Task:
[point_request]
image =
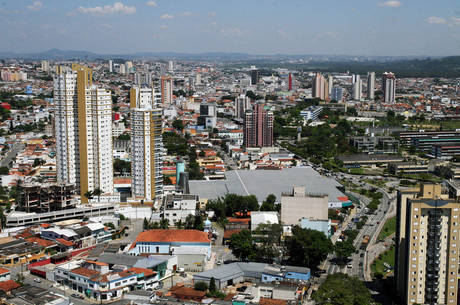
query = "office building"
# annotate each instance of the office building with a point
(83, 125)
(110, 65)
(337, 93)
(129, 66)
(258, 127)
(389, 87)
(208, 115)
(198, 79)
(427, 255)
(166, 90)
(242, 103)
(371, 86)
(320, 87)
(146, 145)
(311, 113)
(255, 77)
(330, 82)
(357, 88)
(122, 69)
(170, 66)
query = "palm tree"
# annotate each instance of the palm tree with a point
(89, 195)
(97, 192)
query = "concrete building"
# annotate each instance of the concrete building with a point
(427, 256)
(242, 103)
(208, 115)
(311, 113)
(146, 145)
(298, 205)
(38, 198)
(166, 90)
(110, 66)
(337, 93)
(318, 225)
(263, 217)
(255, 77)
(370, 86)
(357, 88)
(320, 87)
(176, 207)
(258, 127)
(83, 125)
(389, 87)
(45, 65)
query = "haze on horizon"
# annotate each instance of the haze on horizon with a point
(354, 27)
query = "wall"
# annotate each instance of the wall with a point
(295, 208)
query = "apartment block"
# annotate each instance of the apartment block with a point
(258, 127)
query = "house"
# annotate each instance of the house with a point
(176, 207)
(187, 294)
(5, 274)
(166, 241)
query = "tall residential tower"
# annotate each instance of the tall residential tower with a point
(370, 86)
(258, 127)
(389, 87)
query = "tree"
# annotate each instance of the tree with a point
(341, 289)
(242, 245)
(164, 223)
(189, 221)
(38, 162)
(97, 192)
(4, 170)
(344, 249)
(178, 124)
(124, 137)
(212, 285)
(269, 203)
(121, 166)
(146, 224)
(89, 195)
(307, 247)
(268, 243)
(201, 286)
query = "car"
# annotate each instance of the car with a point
(77, 296)
(349, 266)
(37, 280)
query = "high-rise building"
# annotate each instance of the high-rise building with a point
(208, 115)
(83, 124)
(389, 87)
(242, 103)
(170, 66)
(122, 69)
(166, 90)
(254, 76)
(427, 246)
(370, 86)
(110, 65)
(320, 87)
(290, 81)
(45, 65)
(129, 66)
(258, 127)
(337, 93)
(330, 80)
(357, 88)
(198, 79)
(146, 145)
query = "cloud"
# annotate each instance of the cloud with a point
(35, 6)
(328, 35)
(167, 16)
(151, 3)
(185, 14)
(117, 7)
(232, 32)
(455, 20)
(390, 3)
(281, 33)
(435, 20)
(212, 14)
(163, 27)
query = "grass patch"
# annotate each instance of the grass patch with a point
(388, 229)
(378, 268)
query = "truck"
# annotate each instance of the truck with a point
(364, 242)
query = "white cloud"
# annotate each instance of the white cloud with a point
(455, 20)
(435, 20)
(167, 16)
(151, 3)
(212, 14)
(232, 32)
(186, 14)
(163, 27)
(35, 6)
(390, 3)
(281, 33)
(117, 7)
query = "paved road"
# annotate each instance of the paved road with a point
(12, 153)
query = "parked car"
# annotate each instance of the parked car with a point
(77, 296)
(37, 280)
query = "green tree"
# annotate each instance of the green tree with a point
(242, 245)
(344, 249)
(124, 137)
(201, 286)
(164, 223)
(307, 247)
(4, 170)
(269, 203)
(38, 162)
(122, 166)
(178, 124)
(146, 224)
(269, 247)
(212, 285)
(341, 289)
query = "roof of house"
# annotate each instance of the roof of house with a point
(85, 272)
(146, 272)
(228, 233)
(173, 236)
(3, 270)
(9, 285)
(265, 301)
(40, 241)
(64, 242)
(188, 292)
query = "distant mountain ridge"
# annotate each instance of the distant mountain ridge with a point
(207, 56)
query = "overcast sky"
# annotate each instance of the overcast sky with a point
(348, 27)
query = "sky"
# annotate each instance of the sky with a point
(335, 27)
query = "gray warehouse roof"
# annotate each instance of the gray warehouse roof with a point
(262, 183)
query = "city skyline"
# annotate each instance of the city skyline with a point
(379, 28)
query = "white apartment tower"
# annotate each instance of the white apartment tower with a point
(146, 145)
(371, 86)
(83, 124)
(242, 103)
(389, 87)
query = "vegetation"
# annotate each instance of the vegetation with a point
(122, 166)
(269, 204)
(378, 267)
(341, 289)
(4, 170)
(388, 229)
(124, 137)
(201, 286)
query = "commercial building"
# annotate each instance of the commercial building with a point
(311, 113)
(337, 93)
(176, 207)
(255, 77)
(166, 90)
(427, 256)
(359, 160)
(258, 127)
(373, 144)
(242, 103)
(445, 151)
(320, 87)
(409, 137)
(370, 86)
(389, 87)
(83, 125)
(407, 168)
(208, 115)
(146, 145)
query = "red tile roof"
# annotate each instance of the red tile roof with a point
(233, 219)
(173, 236)
(184, 292)
(65, 242)
(85, 272)
(265, 301)
(3, 270)
(40, 241)
(146, 272)
(9, 285)
(228, 233)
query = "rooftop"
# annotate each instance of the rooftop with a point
(173, 236)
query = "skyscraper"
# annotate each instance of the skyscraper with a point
(146, 145)
(427, 241)
(242, 103)
(320, 87)
(330, 80)
(389, 87)
(258, 127)
(170, 66)
(357, 88)
(254, 76)
(337, 93)
(45, 65)
(290, 81)
(166, 90)
(83, 124)
(370, 86)
(110, 65)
